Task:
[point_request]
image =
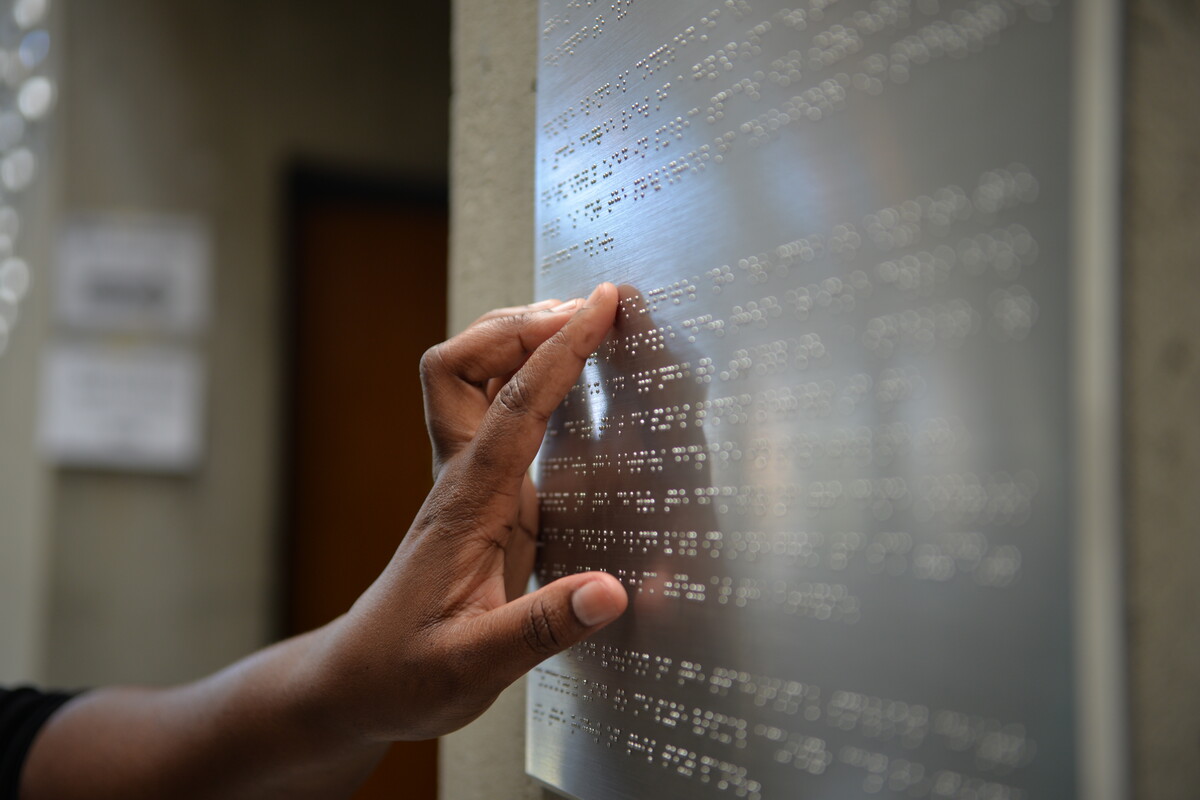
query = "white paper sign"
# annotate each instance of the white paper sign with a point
(143, 273)
(125, 407)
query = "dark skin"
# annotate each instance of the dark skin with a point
(425, 650)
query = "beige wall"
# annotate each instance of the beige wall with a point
(193, 106)
(24, 546)
(495, 68)
(491, 264)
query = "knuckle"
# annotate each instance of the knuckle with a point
(560, 338)
(432, 363)
(517, 398)
(513, 326)
(563, 340)
(514, 395)
(484, 317)
(541, 630)
(580, 347)
(496, 313)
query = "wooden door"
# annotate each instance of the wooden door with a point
(367, 271)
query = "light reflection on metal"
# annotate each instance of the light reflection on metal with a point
(827, 449)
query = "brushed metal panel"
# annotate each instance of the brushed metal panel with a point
(828, 447)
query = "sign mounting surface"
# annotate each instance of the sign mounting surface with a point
(828, 447)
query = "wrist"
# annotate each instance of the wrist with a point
(317, 693)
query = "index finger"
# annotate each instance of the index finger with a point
(515, 423)
(455, 374)
(495, 344)
(508, 311)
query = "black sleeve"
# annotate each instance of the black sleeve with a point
(23, 712)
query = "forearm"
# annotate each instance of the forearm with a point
(423, 652)
(260, 728)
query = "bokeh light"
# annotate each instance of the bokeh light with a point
(27, 96)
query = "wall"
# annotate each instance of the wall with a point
(24, 546)
(194, 106)
(495, 68)
(494, 51)
(1162, 393)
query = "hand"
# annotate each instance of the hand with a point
(442, 631)
(424, 651)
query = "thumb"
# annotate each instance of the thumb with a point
(519, 635)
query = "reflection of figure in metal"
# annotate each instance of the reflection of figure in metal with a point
(628, 454)
(424, 651)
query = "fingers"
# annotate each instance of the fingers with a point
(496, 344)
(541, 305)
(512, 430)
(455, 374)
(521, 634)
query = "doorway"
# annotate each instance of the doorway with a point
(367, 275)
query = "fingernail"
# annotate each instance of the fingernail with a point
(542, 304)
(594, 604)
(570, 305)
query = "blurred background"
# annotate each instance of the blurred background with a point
(178, 487)
(298, 151)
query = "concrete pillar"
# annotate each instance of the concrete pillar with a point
(494, 69)
(24, 477)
